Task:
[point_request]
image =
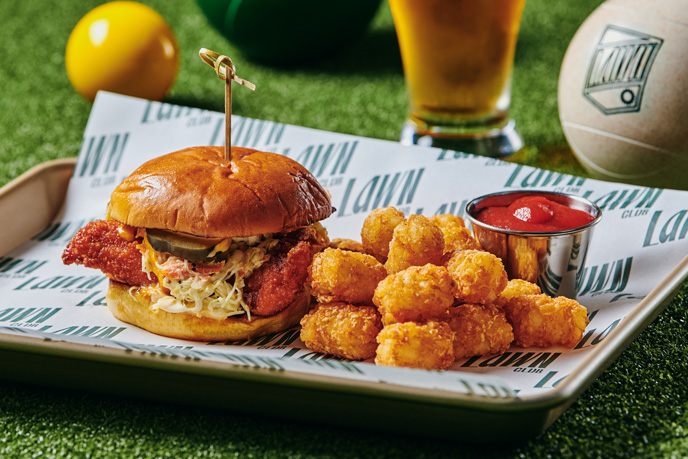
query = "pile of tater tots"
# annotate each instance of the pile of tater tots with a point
(420, 292)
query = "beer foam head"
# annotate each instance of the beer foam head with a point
(623, 92)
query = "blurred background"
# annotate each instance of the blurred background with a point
(354, 84)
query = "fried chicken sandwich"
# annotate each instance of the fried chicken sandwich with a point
(203, 248)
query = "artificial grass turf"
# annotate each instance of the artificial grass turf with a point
(636, 408)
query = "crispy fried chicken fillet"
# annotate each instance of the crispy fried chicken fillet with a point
(281, 279)
(111, 247)
(114, 249)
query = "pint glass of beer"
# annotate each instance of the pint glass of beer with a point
(457, 57)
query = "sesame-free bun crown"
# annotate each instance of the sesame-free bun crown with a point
(197, 191)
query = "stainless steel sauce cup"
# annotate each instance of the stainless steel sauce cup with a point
(554, 260)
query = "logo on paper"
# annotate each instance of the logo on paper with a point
(619, 68)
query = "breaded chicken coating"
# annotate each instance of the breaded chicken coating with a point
(541, 321)
(410, 344)
(416, 294)
(514, 288)
(347, 244)
(377, 231)
(342, 275)
(416, 242)
(341, 329)
(479, 330)
(479, 276)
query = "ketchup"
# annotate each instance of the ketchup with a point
(534, 214)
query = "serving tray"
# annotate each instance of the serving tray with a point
(484, 410)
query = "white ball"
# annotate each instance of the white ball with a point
(623, 92)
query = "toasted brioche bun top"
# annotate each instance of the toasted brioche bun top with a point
(197, 191)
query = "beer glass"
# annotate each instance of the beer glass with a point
(457, 57)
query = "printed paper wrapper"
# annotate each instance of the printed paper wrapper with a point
(640, 239)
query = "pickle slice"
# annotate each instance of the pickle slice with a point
(192, 248)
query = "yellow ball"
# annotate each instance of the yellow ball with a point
(122, 47)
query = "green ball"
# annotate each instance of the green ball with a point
(284, 31)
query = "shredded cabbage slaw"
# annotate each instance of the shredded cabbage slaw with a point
(217, 294)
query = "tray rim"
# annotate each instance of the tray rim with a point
(551, 403)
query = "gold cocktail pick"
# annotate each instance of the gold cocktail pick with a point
(226, 71)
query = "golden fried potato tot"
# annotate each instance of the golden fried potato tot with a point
(410, 344)
(541, 321)
(479, 330)
(479, 276)
(514, 288)
(377, 231)
(458, 238)
(347, 244)
(443, 220)
(415, 242)
(342, 275)
(341, 329)
(416, 294)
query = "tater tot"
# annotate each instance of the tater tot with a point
(410, 344)
(458, 238)
(416, 294)
(514, 288)
(541, 321)
(377, 231)
(479, 276)
(341, 329)
(443, 220)
(479, 330)
(416, 242)
(342, 275)
(347, 244)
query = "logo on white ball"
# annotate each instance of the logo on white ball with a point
(619, 68)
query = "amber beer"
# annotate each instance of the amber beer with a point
(457, 57)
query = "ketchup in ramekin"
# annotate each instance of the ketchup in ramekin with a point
(534, 213)
(541, 236)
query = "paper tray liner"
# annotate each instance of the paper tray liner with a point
(278, 393)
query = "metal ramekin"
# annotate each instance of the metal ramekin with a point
(554, 260)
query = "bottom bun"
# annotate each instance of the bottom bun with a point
(136, 310)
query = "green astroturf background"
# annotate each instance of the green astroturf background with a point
(637, 408)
